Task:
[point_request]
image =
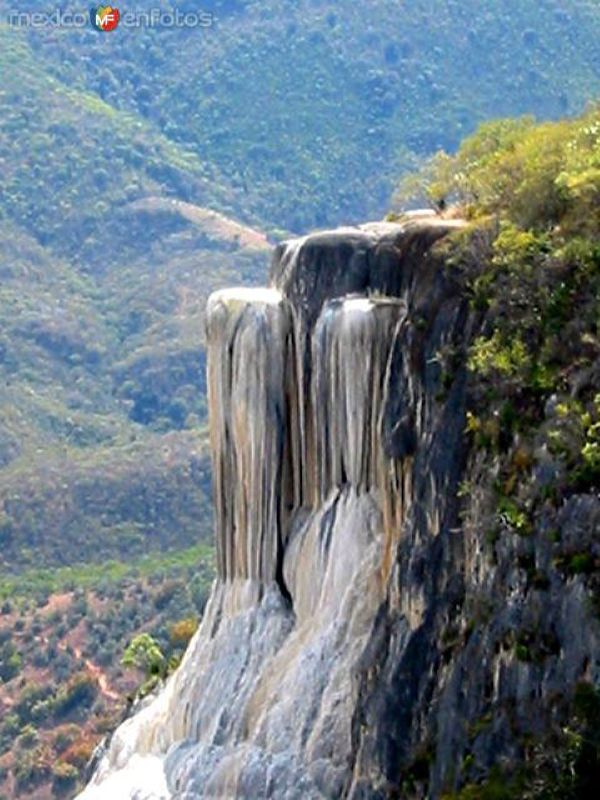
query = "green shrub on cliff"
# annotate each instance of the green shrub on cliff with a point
(144, 653)
(532, 176)
(530, 262)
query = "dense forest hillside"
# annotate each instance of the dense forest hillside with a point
(294, 114)
(102, 392)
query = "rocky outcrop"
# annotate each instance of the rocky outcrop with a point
(340, 654)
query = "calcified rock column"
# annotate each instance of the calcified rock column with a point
(248, 342)
(351, 346)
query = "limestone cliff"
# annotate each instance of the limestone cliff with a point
(342, 652)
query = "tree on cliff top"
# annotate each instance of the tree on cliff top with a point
(534, 176)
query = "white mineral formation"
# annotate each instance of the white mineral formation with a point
(307, 504)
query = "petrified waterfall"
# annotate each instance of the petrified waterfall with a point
(248, 343)
(318, 406)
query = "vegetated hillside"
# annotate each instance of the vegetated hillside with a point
(102, 449)
(294, 114)
(524, 623)
(104, 276)
(63, 683)
(104, 478)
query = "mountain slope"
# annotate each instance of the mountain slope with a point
(302, 114)
(91, 370)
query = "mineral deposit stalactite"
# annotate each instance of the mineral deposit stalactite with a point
(248, 343)
(351, 347)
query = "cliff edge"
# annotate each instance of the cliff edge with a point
(369, 634)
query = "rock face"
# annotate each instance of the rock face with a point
(323, 667)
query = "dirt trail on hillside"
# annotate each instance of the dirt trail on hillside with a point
(99, 675)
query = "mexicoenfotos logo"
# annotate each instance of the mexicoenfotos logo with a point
(108, 18)
(105, 18)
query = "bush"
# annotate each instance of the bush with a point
(31, 696)
(489, 355)
(30, 770)
(80, 752)
(77, 696)
(181, 632)
(64, 737)
(28, 737)
(8, 731)
(64, 778)
(144, 653)
(10, 662)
